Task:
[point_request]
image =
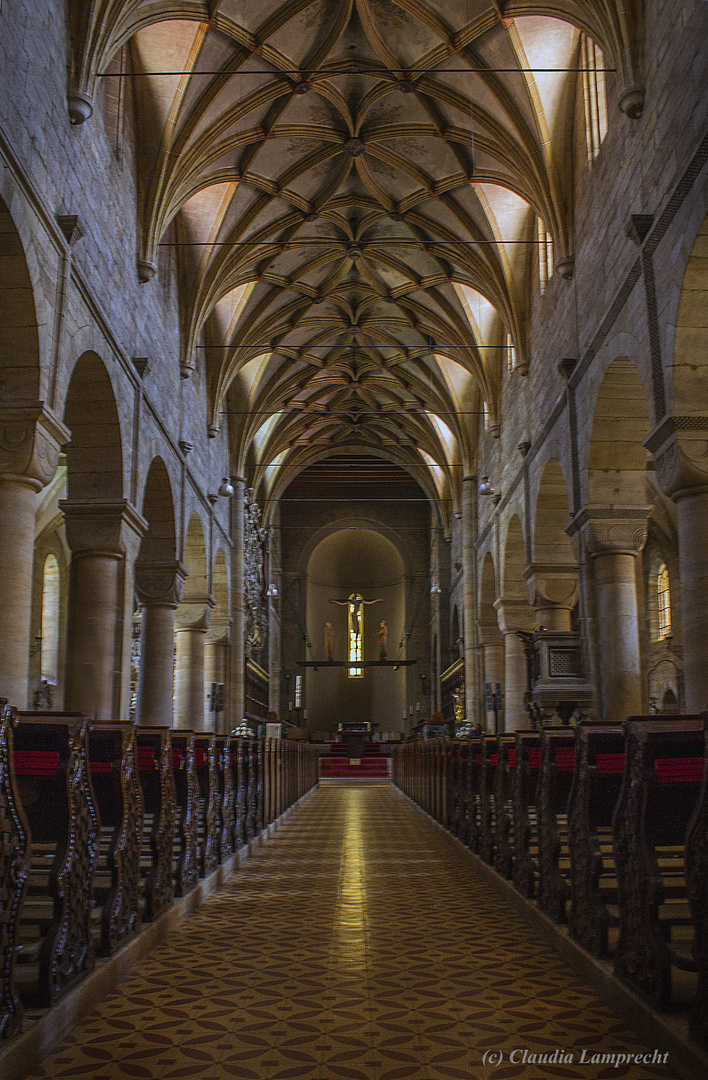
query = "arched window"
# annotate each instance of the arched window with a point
(545, 255)
(356, 634)
(51, 611)
(593, 64)
(663, 603)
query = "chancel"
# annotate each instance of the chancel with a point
(353, 539)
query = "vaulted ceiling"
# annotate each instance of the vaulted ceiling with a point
(353, 187)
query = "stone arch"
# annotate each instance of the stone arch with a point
(192, 625)
(159, 545)
(488, 623)
(617, 461)
(158, 583)
(552, 576)
(456, 650)
(515, 614)
(19, 332)
(689, 363)
(195, 559)
(95, 453)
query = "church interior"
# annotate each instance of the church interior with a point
(354, 539)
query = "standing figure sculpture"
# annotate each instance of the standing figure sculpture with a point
(383, 641)
(329, 642)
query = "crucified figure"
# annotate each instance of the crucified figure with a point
(356, 606)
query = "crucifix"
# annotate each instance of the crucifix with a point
(355, 605)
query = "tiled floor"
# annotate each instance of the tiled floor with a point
(354, 945)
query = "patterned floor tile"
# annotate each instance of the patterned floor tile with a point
(354, 946)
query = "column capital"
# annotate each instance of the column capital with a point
(194, 613)
(113, 528)
(159, 584)
(611, 529)
(680, 448)
(31, 438)
(513, 614)
(552, 584)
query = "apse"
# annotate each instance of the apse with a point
(355, 562)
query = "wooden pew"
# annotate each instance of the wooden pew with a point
(227, 796)
(185, 863)
(662, 781)
(488, 764)
(115, 777)
(597, 781)
(55, 939)
(260, 793)
(15, 844)
(554, 784)
(472, 780)
(240, 775)
(208, 803)
(455, 791)
(527, 764)
(251, 760)
(503, 822)
(160, 800)
(697, 889)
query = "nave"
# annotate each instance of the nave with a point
(357, 943)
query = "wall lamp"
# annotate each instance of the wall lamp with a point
(485, 488)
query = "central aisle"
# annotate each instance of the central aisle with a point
(355, 944)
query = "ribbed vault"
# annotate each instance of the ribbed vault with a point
(353, 188)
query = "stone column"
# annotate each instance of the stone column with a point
(469, 570)
(192, 623)
(216, 662)
(493, 668)
(158, 588)
(237, 688)
(553, 593)
(679, 445)
(30, 440)
(104, 539)
(514, 615)
(614, 537)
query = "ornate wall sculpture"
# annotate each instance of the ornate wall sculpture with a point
(254, 554)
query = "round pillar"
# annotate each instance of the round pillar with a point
(17, 513)
(515, 682)
(94, 617)
(157, 664)
(237, 688)
(216, 656)
(190, 695)
(469, 555)
(618, 633)
(493, 660)
(693, 568)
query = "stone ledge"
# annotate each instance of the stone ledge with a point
(665, 1032)
(44, 1030)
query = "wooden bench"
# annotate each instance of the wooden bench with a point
(208, 803)
(15, 844)
(503, 787)
(239, 775)
(55, 940)
(456, 775)
(597, 781)
(662, 780)
(697, 889)
(251, 760)
(472, 779)
(227, 796)
(554, 784)
(527, 764)
(185, 862)
(115, 777)
(490, 756)
(160, 800)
